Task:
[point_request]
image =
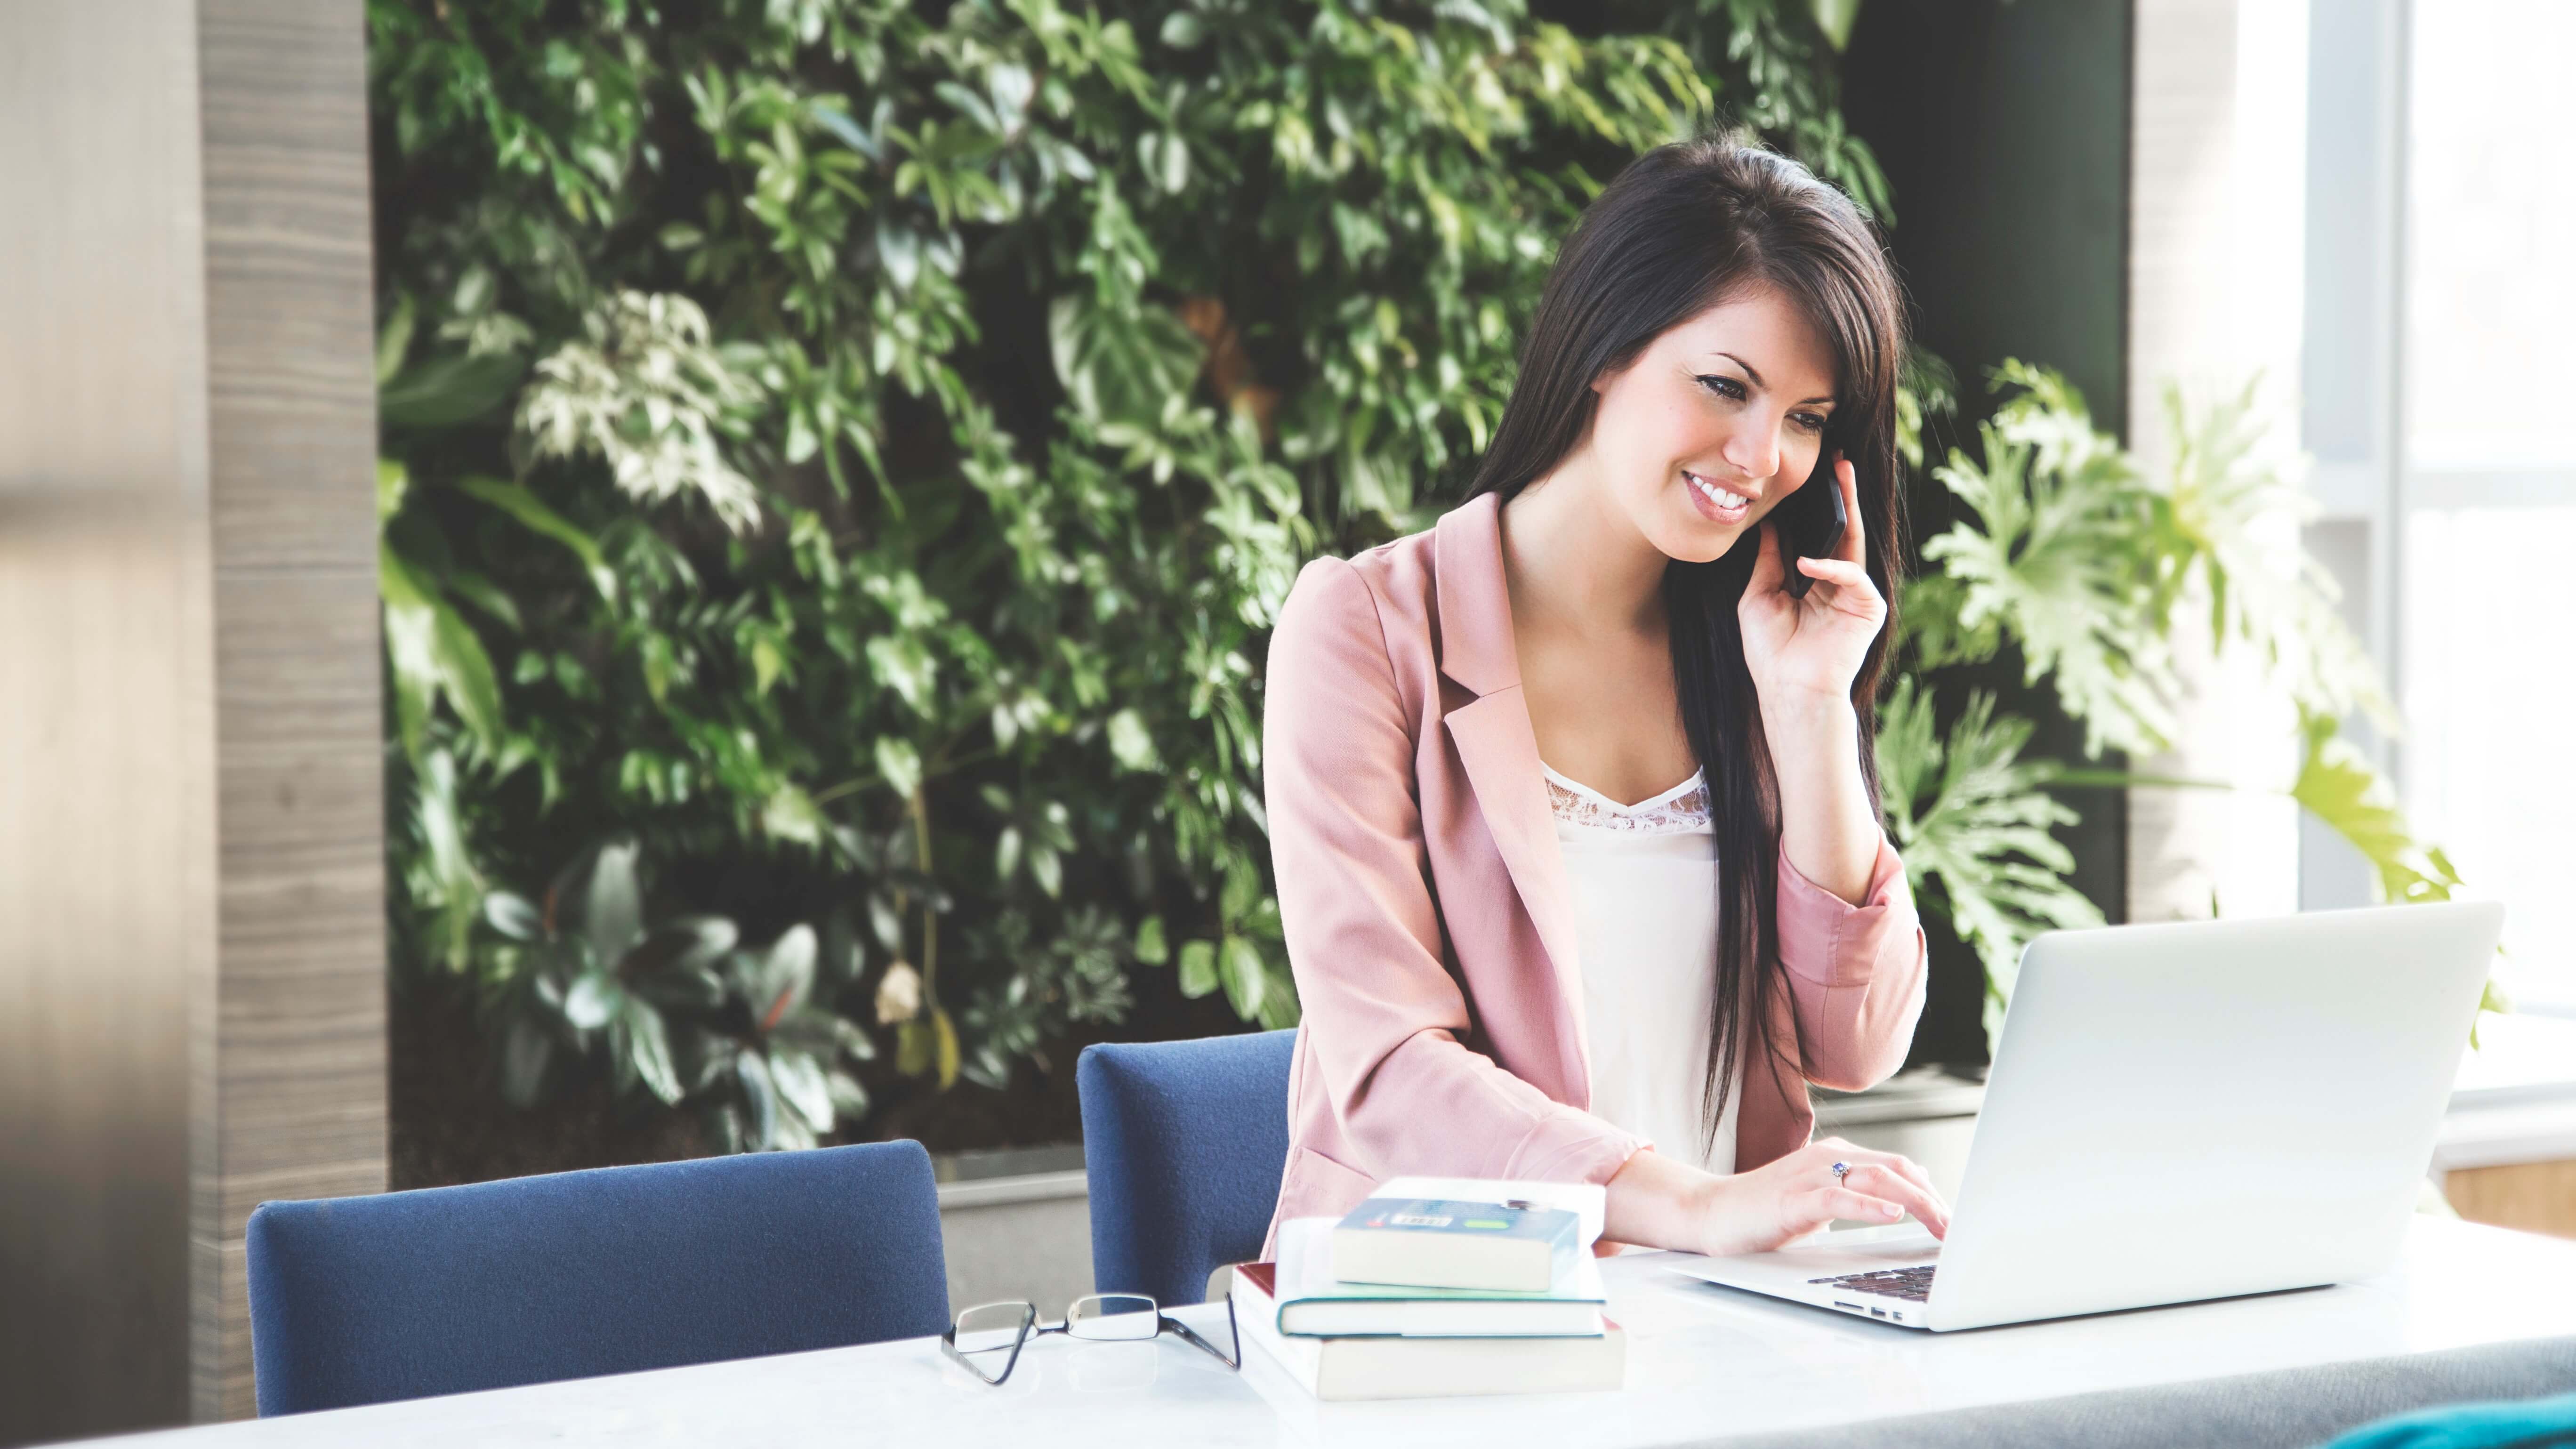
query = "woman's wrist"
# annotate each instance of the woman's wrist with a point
(1656, 1201)
(1798, 721)
(1829, 824)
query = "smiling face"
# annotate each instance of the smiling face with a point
(1718, 420)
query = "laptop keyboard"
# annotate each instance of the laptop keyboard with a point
(1912, 1284)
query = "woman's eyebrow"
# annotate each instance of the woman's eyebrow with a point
(1749, 369)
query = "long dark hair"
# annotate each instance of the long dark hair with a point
(1683, 228)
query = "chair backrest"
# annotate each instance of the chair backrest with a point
(1184, 1142)
(445, 1290)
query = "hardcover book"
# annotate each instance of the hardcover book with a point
(1314, 1301)
(1439, 1242)
(1337, 1369)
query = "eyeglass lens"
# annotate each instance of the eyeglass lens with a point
(1113, 1316)
(992, 1327)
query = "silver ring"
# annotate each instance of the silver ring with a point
(1840, 1170)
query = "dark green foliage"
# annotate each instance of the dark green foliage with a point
(844, 458)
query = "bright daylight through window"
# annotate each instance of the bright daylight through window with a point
(2490, 462)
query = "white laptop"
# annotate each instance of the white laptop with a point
(2180, 1112)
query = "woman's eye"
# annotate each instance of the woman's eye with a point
(1723, 386)
(1810, 422)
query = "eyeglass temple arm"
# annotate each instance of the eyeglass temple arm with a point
(1233, 1360)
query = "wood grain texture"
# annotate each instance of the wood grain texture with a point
(2537, 1197)
(297, 1086)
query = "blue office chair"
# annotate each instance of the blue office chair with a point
(359, 1300)
(1185, 1142)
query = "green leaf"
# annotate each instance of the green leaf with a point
(612, 904)
(1245, 978)
(453, 388)
(2337, 785)
(849, 1099)
(944, 1039)
(514, 916)
(1198, 968)
(1834, 18)
(485, 595)
(1121, 367)
(433, 653)
(759, 1099)
(650, 1046)
(682, 988)
(1973, 821)
(2060, 548)
(916, 1047)
(686, 943)
(393, 339)
(802, 1086)
(1242, 889)
(1150, 946)
(791, 814)
(393, 485)
(899, 763)
(786, 975)
(1130, 743)
(1182, 30)
(594, 1001)
(523, 505)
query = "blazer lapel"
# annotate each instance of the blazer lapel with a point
(1499, 750)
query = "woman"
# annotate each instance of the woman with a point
(1505, 970)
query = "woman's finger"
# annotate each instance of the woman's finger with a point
(1766, 563)
(1840, 572)
(1883, 1183)
(1830, 1203)
(1848, 481)
(1913, 1172)
(1836, 1149)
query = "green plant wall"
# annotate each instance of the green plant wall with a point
(843, 459)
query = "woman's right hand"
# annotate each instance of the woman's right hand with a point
(1754, 1212)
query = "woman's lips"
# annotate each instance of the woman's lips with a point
(1717, 505)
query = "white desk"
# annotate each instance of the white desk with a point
(1705, 1365)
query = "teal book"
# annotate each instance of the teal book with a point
(1420, 1242)
(1313, 1302)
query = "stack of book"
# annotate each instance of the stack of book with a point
(1438, 1287)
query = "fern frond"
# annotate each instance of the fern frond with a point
(1973, 820)
(2061, 556)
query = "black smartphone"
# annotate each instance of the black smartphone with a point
(1811, 522)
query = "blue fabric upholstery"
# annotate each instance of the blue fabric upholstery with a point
(359, 1300)
(1185, 1142)
(2520, 1423)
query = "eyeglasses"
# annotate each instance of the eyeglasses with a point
(990, 1333)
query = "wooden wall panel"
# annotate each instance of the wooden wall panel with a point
(298, 1075)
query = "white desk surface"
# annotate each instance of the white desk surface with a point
(1704, 1363)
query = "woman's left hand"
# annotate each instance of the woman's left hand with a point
(1811, 647)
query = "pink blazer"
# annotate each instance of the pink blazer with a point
(1428, 920)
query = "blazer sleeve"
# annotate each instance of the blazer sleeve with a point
(1383, 1016)
(1855, 972)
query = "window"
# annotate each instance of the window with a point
(2441, 382)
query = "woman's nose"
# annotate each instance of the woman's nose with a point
(1755, 450)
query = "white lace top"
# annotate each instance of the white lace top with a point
(1644, 879)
